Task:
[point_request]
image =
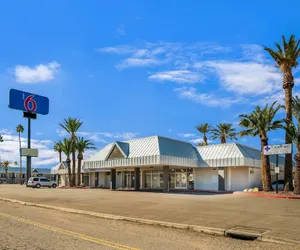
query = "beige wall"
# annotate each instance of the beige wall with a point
(239, 178)
(255, 179)
(92, 179)
(206, 179)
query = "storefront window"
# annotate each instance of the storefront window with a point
(154, 179)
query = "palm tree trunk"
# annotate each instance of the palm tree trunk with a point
(6, 173)
(288, 84)
(69, 171)
(79, 170)
(265, 168)
(205, 139)
(21, 179)
(297, 173)
(73, 168)
(59, 156)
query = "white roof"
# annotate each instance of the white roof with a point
(159, 150)
(150, 146)
(232, 154)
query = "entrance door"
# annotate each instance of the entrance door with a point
(181, 180)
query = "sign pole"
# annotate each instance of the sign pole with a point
(277, 156)
(28, 169)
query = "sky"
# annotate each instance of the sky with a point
(131, 69)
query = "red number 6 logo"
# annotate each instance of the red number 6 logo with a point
(32, 106)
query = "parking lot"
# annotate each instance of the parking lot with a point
(279, 216)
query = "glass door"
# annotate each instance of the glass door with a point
(181, 180)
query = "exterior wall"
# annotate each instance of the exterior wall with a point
(255, 179)
(101, 181)
(239, 178)
(119, 179)
(206, 179)
(92, 179)
(107, 180)
(63, 180)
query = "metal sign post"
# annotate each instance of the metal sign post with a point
(277, 150)
(31, 104)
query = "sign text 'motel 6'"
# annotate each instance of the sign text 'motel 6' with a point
(28, 102)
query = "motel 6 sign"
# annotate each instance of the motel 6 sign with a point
(28, 102)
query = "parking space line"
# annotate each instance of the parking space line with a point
(69, 233)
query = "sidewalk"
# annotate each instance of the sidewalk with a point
(279, 216)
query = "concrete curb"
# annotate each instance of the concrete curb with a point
(194, 228)
(274, 196)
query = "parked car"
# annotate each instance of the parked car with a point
(280, 185)
(37, 182)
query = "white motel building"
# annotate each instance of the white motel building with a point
(165, 164)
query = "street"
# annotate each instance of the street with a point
(24, 227)
(280, 217)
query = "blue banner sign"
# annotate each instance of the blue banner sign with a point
(28, 102)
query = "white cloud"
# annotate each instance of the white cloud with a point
(206, 99)
(186, 135)
(121, 30)
(61, 132)
(104, 137)
(122, 49)
(249, 78)
(196, 140)
(138, 62)
(170, 130)
(37, 74)
(254, 52)
(179, 76)
(9, 150)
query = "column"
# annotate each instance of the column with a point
(221, 174)
(143, 179)
(166, 175)
(137, 179)
(113, 174)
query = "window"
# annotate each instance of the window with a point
(35, 179)
(44, 180)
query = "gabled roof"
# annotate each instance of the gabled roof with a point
(232, 154)
(122, 146)
(149, 146)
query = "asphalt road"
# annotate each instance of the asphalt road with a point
(25, 227)
(280, 217)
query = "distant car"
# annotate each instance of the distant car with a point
(280, 185)
(37, 182)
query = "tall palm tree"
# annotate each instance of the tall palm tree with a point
(285, 57)
(81, 146)
(20, 129)
(223, 132)
(71, 125)
(204, 129)
(259, 123)
(6, 165)
(57, 148)
(67, 148)
(294, 133)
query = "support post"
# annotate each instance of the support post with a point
(221, 178)
(28, 166)
(166, 174)
(277, 174)
(113, 179)
(137, 179)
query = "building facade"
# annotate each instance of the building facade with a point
(14, 174)
(160, 163)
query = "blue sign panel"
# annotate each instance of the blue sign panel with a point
(28, 102)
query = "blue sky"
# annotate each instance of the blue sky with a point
(139, 68)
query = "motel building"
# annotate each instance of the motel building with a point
(165, 164)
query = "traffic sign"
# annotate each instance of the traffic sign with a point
(28, 102)
(29, 152)
(278, 149)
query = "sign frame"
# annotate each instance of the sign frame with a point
(278, 149)
(29, 152)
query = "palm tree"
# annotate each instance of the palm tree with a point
(6, 165)
(81, 146)
(259, 123)
(71, 125)
(204, 129)
(20, 129)
(286, 57)
(67, 148)
(294, 133)
(223, 132)
(57, 148)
